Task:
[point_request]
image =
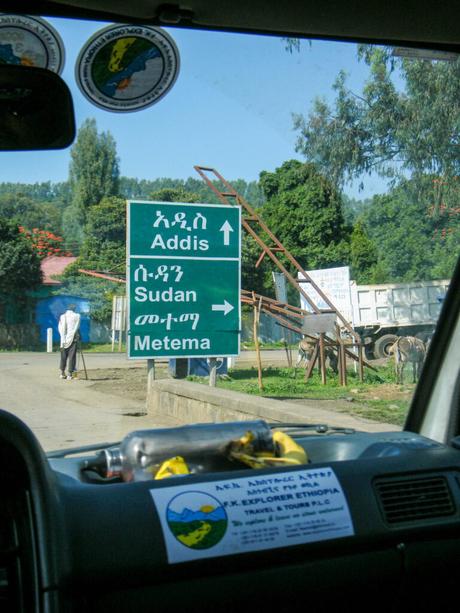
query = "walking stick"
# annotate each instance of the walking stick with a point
(83, 360)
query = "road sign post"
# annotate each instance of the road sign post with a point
(184, 278)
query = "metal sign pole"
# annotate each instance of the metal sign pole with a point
(120, 331)
(150, 378)
(212, 372)
(113, 326)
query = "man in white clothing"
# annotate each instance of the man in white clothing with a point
(69, 323)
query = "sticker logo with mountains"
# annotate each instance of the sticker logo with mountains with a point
(196, 519)
(126, 68)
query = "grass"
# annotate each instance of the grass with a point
(392, 412)
(251, 346)
(377, 398)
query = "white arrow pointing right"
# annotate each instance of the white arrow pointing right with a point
(226, 229)
(226, 307)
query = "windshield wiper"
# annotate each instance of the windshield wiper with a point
(300, 428)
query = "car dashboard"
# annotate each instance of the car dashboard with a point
(72, 542)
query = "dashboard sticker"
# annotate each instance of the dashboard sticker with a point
(221, 518)
(126, 68)
(30, 41)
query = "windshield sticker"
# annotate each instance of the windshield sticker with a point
(127, 68)
(30, 41)
(221, 518)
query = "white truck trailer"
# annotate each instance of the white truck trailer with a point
(383, 312)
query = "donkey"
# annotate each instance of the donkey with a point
(305, 353)
(408, 349)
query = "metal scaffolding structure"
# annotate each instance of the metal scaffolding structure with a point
(275, 250)
(254, 226)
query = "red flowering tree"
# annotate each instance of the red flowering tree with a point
(44, 242)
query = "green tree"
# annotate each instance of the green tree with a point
(255, 279)
(98, 292)
(446, 253)
(31, 212)
(304, 211)
(132, 188)
(410, 235)
(174, 194)
(352, 208)
(93, 171)
(19, 262)
(39, 192)
(394, 131)
(72, 228)
(365, 266)
(103, 250)
(104, 245)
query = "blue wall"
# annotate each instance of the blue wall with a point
(48, 311)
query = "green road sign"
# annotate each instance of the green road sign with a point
(184, 279)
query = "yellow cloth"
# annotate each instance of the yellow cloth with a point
(288, 452)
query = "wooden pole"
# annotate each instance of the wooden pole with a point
(360, 362)
(311, 363)
(339, 354)
(342, 356)
(83, 360)
(256, 342)
(344, 363)
(339, 362)
(322, 359)
(288, 353)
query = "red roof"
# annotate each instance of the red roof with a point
(54, 265)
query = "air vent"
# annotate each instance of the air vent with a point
(405, 500)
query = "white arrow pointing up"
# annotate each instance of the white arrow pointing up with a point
(226, 307)
(226, 229)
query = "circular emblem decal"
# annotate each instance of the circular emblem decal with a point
(30, 41)
(197, 520)
(127, 68)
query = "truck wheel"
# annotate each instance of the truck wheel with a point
(383, 344)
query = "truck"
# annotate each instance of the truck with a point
(383, 312)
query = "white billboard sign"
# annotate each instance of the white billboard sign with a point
(335, 284)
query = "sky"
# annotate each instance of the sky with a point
(231, 108)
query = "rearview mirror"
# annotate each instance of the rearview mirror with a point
(36, 110)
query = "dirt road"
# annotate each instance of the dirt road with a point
(67, 413)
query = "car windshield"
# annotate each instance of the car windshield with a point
(292, 225)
